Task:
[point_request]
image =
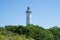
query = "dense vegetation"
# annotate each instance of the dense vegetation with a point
(29, 32)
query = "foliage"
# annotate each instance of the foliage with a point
(56, 32)
(8, 35)
(29, 32)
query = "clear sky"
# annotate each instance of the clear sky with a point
(45, 13)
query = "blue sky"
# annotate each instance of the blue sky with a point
(45, 13)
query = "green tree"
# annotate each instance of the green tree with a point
(56, 32)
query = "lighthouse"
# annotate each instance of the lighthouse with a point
(28, 16)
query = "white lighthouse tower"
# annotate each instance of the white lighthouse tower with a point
(28, 16)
